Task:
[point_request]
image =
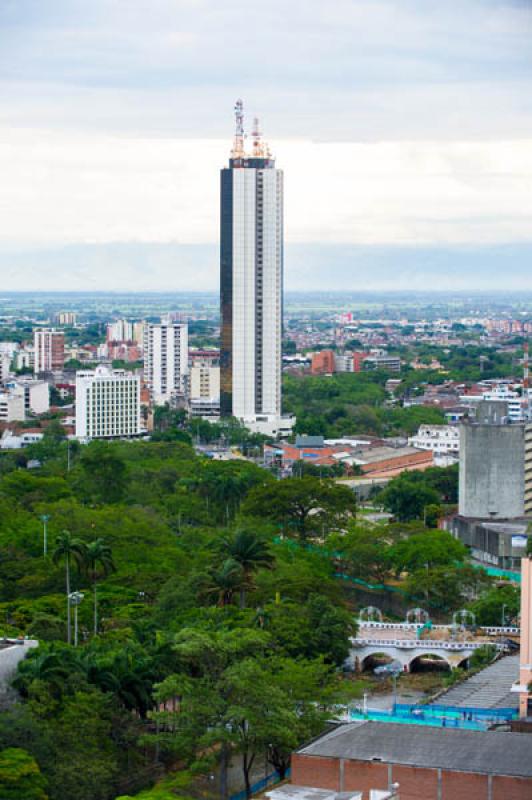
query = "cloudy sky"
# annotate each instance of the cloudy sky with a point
(404, 128)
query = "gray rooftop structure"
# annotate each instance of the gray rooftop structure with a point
(309, 441)
(485, 752)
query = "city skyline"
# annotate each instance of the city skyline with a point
(414, 119)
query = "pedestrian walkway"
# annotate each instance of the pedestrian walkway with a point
(489, 688)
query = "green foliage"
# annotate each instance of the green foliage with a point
(20, 777)
(500, 603)
(304, 507)
(210, 584)
(426, 550)
(350, 403)
(102, 476)
(483, 656)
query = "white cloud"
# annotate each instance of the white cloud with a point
(59, 189)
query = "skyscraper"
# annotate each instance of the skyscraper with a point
(251, 280)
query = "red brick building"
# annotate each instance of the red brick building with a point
(427, 763)
(322, 363)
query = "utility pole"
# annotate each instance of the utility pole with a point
(75, 599)
(45, 518)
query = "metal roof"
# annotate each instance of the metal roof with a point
(488, 752)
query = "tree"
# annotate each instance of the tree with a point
(98, 560)
(315, 629)
(20, 776)
(497, 605)
(68, 549)
(103, 473)
(85, 763)
(407, 500)
(129, 675)
(363, 552)
(251, 706)
(426, 550)
(446, 587)
(251, 552)
(224, 581)
(306, 506)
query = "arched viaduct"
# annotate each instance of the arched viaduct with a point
(406, 651)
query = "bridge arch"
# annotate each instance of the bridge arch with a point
(373, 660)
(438, 661)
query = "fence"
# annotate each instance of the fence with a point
(259, 786)
(473, 719)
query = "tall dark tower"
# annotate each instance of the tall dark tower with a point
(251, 279)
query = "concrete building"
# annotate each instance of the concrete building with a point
(165, 360)
(204, 382)
(107, 404)
(493, 482)
(343, 362)
(428, 763)
(11, 407)
(49, 346)
(251, 282)
(13, 441)
(500, 544)
(5, 367)
(25, 358)
(442, 440)
(384, 362)
(36, 394)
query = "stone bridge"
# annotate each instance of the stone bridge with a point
(399, 642)
(406, 651)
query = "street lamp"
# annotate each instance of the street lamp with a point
(75, 598)
(45, 518)
(503, 615)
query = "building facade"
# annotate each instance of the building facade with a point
(49, 347)
(165, 360)
(107, 404)
(12, 407)
(495, 477)
(251, 284)
(443, 440)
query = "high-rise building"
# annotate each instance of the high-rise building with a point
(107, 404)
(165, 359)
(120, 331)
(49, 347)
(66, 318)
(251, 283)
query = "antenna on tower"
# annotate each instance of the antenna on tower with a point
(238, 145)
(258, 149)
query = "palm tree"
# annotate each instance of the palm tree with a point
(251, 552)
(69, 549)
(225, 581)
(129, 676)
(46, 663)
(98, 563)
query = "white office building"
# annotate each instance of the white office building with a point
(251, 280)
(165, 360)
(107, 404)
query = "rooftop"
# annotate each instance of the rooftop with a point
(487, 752)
